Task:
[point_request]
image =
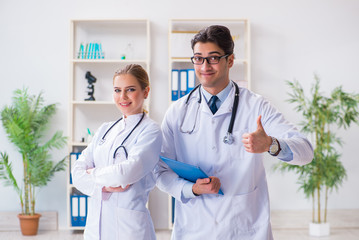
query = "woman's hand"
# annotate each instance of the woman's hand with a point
(115, 189)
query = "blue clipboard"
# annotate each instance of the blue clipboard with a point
(186, 171)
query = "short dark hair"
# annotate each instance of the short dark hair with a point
(217, 34)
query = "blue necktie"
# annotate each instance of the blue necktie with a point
(213, 105)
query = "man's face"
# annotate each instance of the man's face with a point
(213, 77)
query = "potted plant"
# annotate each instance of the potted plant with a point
(25, 123)
(322, 115)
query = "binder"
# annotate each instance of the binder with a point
(191, 83)
(175, 82)
(82, 210)
(183, 82)
(78, 210)
(74, 210)
(73, 157)
(186, 171)
(173, 209)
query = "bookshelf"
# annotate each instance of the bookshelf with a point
(122, 42)
(180, 33)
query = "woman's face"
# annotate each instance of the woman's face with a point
(128, 94)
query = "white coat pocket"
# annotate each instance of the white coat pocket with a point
(132, 225)
(245, 212)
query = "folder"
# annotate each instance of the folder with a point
(175, 79)
(73, 157)
(82, 210)
(183, 82)
(78, 210)
(74, 210)
(186, 171)
(173, 209)
(191, 83)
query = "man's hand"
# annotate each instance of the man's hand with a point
(209, 185)
(258, 141)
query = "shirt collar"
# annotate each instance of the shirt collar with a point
(222, 95)
(129, 121)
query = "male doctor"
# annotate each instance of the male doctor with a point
(194, 128)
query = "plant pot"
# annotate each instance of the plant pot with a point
(29, 224)
(319, 229)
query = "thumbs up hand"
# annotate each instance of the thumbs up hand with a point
(257, 141)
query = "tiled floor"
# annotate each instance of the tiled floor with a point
(288, 234)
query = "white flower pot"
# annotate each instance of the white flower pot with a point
(319, 229)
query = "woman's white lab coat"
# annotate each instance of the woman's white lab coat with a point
(243, 211)
(120, 215)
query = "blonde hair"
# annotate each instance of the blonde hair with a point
(137, 71)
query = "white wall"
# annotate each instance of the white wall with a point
(290, 39)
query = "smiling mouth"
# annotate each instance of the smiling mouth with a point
(125, 104)
(207, 73)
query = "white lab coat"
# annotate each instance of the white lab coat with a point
(243, 211)
(120, 215)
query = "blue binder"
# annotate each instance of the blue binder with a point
(175, 82)
(73, 157)
(74, 200)
(183, 82)
(186, 171)
(78, 210)
(191, 83)
(82, 210)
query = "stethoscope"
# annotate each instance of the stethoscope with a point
(103, 139)
(228, 139)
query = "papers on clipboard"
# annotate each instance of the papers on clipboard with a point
(186, 171)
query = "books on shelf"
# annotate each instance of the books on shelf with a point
(183, 81)
(90, 51)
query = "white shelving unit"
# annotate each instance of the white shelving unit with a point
(180, 33)
(123, 41)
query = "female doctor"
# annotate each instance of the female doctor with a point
(115, 170)
(224, 129)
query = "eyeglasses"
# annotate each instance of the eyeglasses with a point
(196, 60)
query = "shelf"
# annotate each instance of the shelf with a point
(93, 103)
(119, 39)
(79, 144)
(77, 228)
(123, 61)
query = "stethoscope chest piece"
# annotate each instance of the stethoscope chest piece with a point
(228, 139)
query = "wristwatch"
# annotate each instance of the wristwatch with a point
(274, 148)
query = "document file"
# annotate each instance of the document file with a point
(186, 171)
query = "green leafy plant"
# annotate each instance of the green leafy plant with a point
(322, 115)
(26, 122)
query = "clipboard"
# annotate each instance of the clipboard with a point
(186, 171)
